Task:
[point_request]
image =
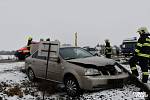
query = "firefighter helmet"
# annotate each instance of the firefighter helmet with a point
(106, 40)
(142, 30)
(29, 38)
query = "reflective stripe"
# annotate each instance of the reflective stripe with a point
(145, 73)
(139, 44)
(144, 55)
(136, 50)
(133, 68)
(146, 44)
(147, 39)
(109, 53)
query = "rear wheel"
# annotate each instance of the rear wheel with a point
(31, 75)
(72, 86)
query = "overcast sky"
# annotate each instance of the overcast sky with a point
(94, 20)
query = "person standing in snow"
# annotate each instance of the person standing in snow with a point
(141, 55)
(29, 43)
(108, 50)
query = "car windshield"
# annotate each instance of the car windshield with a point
(74, 53)
(130, 45)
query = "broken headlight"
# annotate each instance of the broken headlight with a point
(92, 71)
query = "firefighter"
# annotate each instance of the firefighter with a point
(141, 54)
(29, 44)
(29, 41)
(108, 50)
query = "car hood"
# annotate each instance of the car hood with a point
(93, 61)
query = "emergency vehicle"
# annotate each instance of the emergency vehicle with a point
(128, 46)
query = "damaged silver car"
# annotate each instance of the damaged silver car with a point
(78, 70)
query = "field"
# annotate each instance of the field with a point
(15, 85)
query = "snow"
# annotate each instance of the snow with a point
(11, 75)
(139, 70)
(11, 66)
(10, 78)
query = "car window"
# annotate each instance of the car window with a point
(41, 57)
(35, 55)
(129, 45)
(74, 53)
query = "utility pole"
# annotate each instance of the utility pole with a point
(76, 39)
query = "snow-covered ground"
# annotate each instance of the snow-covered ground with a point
(14, 85)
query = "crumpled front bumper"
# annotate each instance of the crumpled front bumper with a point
(104, 81)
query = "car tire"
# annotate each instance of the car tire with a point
(72, 87)
(31, 75)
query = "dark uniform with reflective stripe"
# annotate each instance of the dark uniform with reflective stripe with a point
(142, 55)
(29, 44)
(108, 50)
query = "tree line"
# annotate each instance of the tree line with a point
(7, 52)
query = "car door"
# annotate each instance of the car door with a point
(55, 70)
(39, 65)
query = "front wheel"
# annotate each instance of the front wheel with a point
(72, 87)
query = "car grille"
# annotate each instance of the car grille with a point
(108, 70)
